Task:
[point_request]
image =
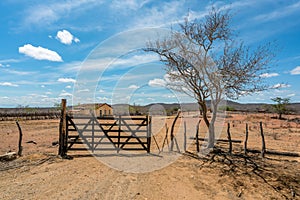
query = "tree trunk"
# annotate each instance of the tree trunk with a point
(211, 137)
(202, 107)
(210, 125)
(201, 111)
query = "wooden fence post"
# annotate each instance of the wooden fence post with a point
(149, 118)
(63, 129)
(197, 136)
(20, 139)
(172, 131)
(93, 133)
(60, 149)
(229, 138)
(263, 148)
(246, 140)
(165, 139)
(119, 132)
(184, 139)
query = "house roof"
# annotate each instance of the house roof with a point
(103, 104)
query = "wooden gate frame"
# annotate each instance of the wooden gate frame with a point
(67, 125)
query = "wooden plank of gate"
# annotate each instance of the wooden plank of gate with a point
(107, 128)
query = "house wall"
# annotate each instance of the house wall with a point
(104, 110)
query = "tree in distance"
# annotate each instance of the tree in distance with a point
(204, 60)
(281, 106)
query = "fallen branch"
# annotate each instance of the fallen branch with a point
(25, 163)
(31, 142)
(8, 156)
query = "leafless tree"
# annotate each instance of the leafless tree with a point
(204, 60)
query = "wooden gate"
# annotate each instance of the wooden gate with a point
(109, 133)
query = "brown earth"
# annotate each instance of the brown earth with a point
(40, 174)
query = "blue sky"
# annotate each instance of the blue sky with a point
(47, 47)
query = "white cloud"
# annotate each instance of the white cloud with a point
(295, 71)
(4, 62)
(66, 80)
(101, 91)
(10, 61)
(76, 40)
(65, 94)
(109, 62)
(269, 75)
(166, 81)
(164, 14)
(22, 73)
(8, 84)
(66, 37)
(169, 96)
(157, 82)
(40, 53)
(7, 65)
(83, 90)
(4, 66)
(42, 86)
(133, 87)
(279, 13)
(103, 99)
(36, 96)
(232, 6)
(71, 66)
(137, 60)
(68, 86)
(128, 4)
(291, 95)
(46, 13)
(280, 85)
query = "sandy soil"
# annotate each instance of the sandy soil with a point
(40, 174)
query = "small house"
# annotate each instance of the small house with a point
(103, 110)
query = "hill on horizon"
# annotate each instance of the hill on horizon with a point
(168, 107)
(233, 106)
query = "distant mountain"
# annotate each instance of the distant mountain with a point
(244, 107)
(27, 109)
(254, 107)
(159, 108)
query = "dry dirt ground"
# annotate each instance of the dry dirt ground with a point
(40, 174)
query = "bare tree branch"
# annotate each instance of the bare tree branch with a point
(204, 61)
